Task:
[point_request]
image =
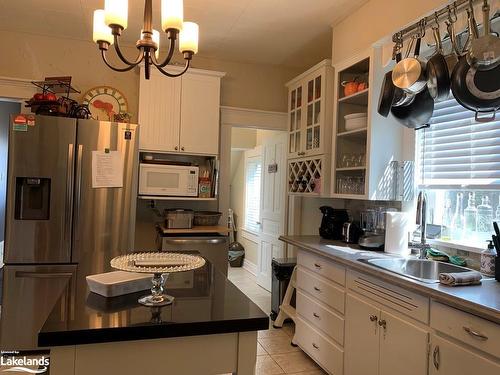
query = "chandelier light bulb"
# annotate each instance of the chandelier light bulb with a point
(156, 39)
(116, 13)
(172, 14)
(188, 37)
(101, 31)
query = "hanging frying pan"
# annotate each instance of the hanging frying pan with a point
(409, 73)
(476, 90)
(416, 114)
(484, 51)
(438, 75)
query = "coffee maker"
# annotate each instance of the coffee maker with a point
(332, 222)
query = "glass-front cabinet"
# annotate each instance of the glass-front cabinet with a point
(309, 112)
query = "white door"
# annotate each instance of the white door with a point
(361, 337)
(403, 347)
(272, 210)
(200, 103)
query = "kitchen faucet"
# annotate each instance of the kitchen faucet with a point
(422, 221)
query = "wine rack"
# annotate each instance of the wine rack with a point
(309, 176)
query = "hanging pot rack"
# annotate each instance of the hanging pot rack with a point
(418, 28)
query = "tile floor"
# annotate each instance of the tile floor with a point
(275, 354)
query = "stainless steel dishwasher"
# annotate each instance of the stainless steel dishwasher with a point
(213, 247)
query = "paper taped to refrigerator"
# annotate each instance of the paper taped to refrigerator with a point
(107, 169)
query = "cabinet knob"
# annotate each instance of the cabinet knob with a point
(182, 148)
(317, 265)
(382, 323)
(176, 148)
(435, 357)
(315, 346)
(373, 318)
(317, 289)
(475, 334)
(316, 315)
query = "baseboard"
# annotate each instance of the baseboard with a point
(250, 267)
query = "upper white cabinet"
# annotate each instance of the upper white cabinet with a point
(180, 114)
(310, 112)
(364, 150)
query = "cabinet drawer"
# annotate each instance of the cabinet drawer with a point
(470, 329)
(321, 349)
(321, 289)
(321, 317)
(322, 266)
(402, 300)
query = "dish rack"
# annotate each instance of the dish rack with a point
(309, 176)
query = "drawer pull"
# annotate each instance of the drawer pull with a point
(315, 346)
(475, 334)
(318, 266)
(382, 323)
(373, 318)
(316, 315)
(317, 289)
(435, 357)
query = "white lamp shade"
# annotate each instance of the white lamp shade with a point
(102, 32)
(172, 14)
(188, 37)
(156, 39)
(116, 12)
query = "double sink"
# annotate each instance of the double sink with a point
(426, 271)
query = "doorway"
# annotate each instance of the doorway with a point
(258, 197)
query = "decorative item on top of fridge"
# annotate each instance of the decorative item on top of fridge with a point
(48, 103)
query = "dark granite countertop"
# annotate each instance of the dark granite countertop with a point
(206, 302)
(482, 300)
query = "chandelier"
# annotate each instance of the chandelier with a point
(110, 22)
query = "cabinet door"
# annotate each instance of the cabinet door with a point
(314, 122)
(295, 121)
(361, 338)
(200, 102)
(159, 113)
(403, 347)
(448, 358)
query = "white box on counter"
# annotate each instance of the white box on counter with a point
(117, 283)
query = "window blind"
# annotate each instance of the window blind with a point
(456, 151)
(252, 196)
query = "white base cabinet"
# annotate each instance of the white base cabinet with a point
(180, 115)
(452, 359)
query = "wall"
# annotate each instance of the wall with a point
(34, 57)
(375, 20)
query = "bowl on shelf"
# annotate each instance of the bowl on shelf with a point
(356, 121)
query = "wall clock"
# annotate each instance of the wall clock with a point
(105, 102)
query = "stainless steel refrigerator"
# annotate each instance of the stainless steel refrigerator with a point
(59, 228)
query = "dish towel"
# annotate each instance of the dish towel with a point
(460, 278)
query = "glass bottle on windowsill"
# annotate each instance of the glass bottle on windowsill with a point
(458, 219)
(446, 221)
(470, 214)
(485, 216)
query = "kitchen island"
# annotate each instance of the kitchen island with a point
(211, 328)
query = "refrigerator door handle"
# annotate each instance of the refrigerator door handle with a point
(79, 155)
(191, 241)
(69, 194)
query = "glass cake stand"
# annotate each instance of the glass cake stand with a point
(160, 264)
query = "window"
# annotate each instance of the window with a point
(458, 163)
(253, 175)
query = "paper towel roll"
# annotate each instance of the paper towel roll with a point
(396, 233)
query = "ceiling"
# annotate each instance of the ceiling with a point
(295, 33)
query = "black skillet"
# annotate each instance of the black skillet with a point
(476, 90)
(438, 75)
(417, 113)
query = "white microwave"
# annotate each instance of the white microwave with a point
(173, 180)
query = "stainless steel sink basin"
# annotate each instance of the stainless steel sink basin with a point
(423, 270)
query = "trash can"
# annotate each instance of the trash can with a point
(282, 272)
(236, 254)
